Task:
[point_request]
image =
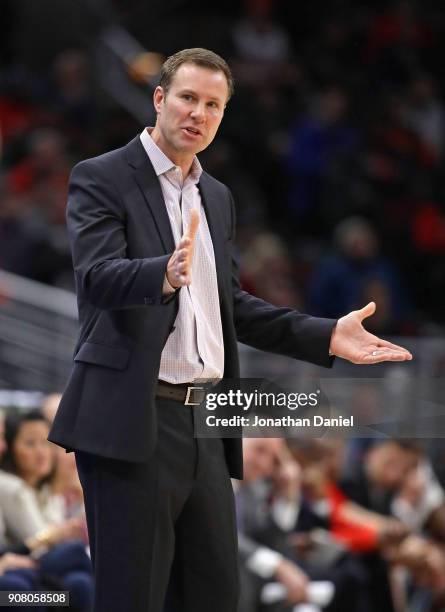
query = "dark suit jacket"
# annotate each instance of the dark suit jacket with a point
(121, 241)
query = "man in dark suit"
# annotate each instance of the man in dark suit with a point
(160, 307)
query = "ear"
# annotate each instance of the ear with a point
(158, 98)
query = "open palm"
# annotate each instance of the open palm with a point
(351, 341)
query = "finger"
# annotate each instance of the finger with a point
(180, 270)
(379, 356)
(181, 279)
(193, 224)
(389, 354)
(367, 311)
(390, 345)
(379, 350)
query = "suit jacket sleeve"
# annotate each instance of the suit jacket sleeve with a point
(279, 330)
(96, 219)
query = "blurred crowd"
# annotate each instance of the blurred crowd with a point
(357, 526)
(337, 525)
(333, 146)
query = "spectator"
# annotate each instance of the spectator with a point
(64, 482)
(425, 114)
(72, 101)
(420, 502)
(372, 486)
(353, 273)
(42, 175)
(33, 517)
(268, 252)
(381, 474)
(26, 243)
(262, 48)
(261, 562)
(319, 139)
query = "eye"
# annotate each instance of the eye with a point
(213, 104)
(187, 97)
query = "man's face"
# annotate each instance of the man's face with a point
(190, 112)
(388, 465)
(261, 456)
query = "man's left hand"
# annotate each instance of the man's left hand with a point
(352, 342)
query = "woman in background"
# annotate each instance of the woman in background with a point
(34, 516)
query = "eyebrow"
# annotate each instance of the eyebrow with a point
(190, 91)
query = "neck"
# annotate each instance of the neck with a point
(183, 160)
(31, 480)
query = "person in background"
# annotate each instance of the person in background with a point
(64, 481)
(33, 516)
(384, 468)
(31, 458)
(375, 485)
(262, 562)
(354, 271)
(16, 570)
(267, 251)
(318, 139)
(420, 501)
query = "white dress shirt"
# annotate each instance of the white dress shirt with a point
(195, 349)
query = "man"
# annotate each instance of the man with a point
(374, 481)
(260, 518)
(160, 306)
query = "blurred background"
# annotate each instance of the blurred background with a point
(333, 146)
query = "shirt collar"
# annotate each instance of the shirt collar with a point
(161, 163)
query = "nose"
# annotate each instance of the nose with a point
(198, 113)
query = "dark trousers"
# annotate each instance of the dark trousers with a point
(165, 525)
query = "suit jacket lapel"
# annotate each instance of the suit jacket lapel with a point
(216, 225)
(150, 187)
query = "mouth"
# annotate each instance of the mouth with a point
(192, 131)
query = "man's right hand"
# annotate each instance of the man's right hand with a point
(294, 580)
(179, 267)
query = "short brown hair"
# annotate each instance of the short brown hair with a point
(198, 56)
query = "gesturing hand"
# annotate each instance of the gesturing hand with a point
(352, 342)
(179, 267)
